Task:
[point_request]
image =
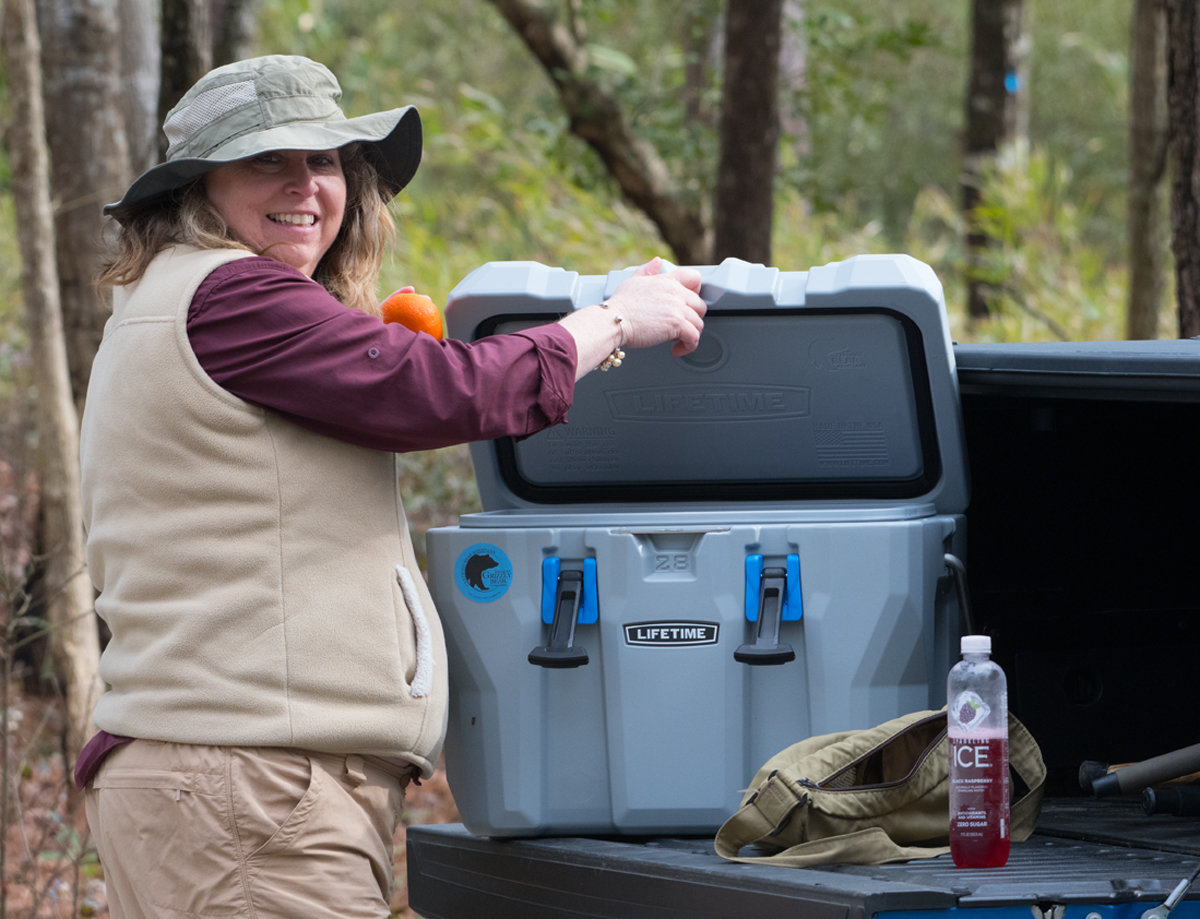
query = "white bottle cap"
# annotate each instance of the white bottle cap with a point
(976, 644)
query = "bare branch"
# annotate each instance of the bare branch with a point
(596, 116)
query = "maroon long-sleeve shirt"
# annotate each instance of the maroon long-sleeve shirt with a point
(273, 337)
(268, 334)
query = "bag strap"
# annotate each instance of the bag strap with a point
(763, 815)
(775, 805)
(869, 846)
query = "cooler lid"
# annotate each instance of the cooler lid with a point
(835, 384)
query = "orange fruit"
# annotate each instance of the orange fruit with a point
(414, 311)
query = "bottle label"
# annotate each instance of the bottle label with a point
(979, 831)
(968, 710)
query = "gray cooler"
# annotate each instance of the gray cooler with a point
(716, 556)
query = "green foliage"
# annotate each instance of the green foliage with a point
(883, 100)
(1079, 111)
(870, 70)
(18, 395)
(437, 486)
(880, 106)
(875, 169)
(1048, 279)
(492, 185)
(452, 220)
(12, 328)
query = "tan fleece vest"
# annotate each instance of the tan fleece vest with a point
(259, 579)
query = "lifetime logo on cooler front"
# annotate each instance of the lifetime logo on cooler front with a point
(729, 402)
(671, 634)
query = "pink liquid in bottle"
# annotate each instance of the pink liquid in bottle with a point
(979, 820)
(977, 730)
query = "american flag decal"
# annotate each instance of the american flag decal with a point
(851, 444)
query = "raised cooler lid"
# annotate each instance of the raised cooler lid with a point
(835, 384)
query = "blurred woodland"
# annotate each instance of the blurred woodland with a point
(1041, 157)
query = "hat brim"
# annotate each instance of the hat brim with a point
(391, 139)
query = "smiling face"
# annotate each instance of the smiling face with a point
(285, 204)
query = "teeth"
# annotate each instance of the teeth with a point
(299, 220)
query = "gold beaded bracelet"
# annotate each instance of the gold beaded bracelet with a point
(617, 355)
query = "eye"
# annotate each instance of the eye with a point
(326, 161)
(268, 160)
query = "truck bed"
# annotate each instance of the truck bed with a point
(1090, 859)
(1081, 469)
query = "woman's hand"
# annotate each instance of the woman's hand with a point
(653, 308)
(660, 307)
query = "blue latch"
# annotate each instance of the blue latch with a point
(772, 598)
(589, 608)
(793, 604)
(568, 599)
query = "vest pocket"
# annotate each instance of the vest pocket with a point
(422, 681)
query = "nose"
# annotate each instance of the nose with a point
(301, 177)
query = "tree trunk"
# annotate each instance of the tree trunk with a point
(1147, 168)
(596, 117)
(702, 49)
(68, 592)
(187, 52)
(89, 152)
(140, 61)
(745, 197)
(991, 121)
(1183, 110)
(793, 79)
(234, 30)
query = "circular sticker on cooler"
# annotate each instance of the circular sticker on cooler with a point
(483, 572)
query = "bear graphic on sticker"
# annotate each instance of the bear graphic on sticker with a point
(475, 567)
(483, 572)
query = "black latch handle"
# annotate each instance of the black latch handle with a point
(766, 647)
(562, 652)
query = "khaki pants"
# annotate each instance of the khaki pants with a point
(255, 832)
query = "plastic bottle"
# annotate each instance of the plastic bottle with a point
(977, 726)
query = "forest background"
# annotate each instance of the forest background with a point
(872, 103)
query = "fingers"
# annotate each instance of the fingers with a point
(654, 266)
(681, 347)
(687, 338)
(662, 307)
(688, 277)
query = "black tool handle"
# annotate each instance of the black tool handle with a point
(1182, 801)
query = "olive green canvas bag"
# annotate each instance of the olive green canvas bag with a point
(868, 797)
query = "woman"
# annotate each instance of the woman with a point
(276, 673)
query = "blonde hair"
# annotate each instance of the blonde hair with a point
(349, 270)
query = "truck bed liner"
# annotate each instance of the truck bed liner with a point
(1088, 856)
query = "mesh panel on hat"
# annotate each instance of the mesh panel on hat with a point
(205, 108)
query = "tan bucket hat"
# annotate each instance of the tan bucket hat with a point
(276, 102)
